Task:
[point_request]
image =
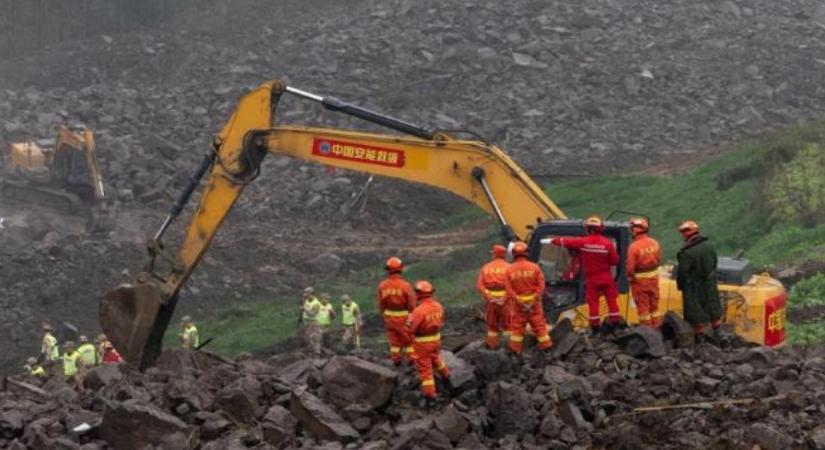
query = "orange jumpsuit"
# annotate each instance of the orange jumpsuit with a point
(425, 324)
(491, 284)
(395, 301)
(525, 285)
(643, 258)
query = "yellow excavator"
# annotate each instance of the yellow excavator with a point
(136, 315)
(65, 177)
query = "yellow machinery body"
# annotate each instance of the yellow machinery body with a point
(755, 310)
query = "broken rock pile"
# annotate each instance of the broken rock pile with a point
(590, 397)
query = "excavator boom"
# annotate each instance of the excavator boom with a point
(135, 316)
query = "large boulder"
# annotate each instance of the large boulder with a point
(452, 424)
(279, 426)
(489, 364)
(676, 329)
(768, 437)
(642, 341)
(319, 419)
(431, 439)
(462, 373)
(11, 424)
(239, 400)
(502, 399)
(348, 380)
(101, 376)
(179, 361)
(133, 426)
(300, 373)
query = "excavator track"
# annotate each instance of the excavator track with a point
(55, 199)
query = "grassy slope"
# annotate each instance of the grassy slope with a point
(765, 197)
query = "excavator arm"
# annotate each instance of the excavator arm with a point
(135, 316)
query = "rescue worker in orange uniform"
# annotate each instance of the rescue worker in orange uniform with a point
(491, 284)
(643, 258)
(396, 300)
(598, 255)
(525, 286)
(424, 324)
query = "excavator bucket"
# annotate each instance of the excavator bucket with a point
(133, 318)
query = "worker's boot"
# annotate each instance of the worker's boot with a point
(426, 403)
(595, 331)
(702, 338)
(608, 328)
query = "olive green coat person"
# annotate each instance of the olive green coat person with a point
(696, 278)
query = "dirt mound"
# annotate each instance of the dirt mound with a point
(594, 395)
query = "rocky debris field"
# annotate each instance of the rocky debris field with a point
(626, 393)
(581, 88)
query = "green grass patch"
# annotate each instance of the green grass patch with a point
(808, 292)
(260, 323)
(765, 197)
(806, 334)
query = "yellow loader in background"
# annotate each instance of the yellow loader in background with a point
(64, 176)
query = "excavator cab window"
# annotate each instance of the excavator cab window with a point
(562, 267)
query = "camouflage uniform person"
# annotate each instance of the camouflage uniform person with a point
(323, 320)
(34, 369)
(310, 310)
(49, 350)
(70, 360)
(304, 319)
(351, 321)
(189, 339)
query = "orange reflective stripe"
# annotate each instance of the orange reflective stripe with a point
(394, 313)
(655, 314)
(496, 293)
(492, 334)
(395, 349)
(526, 298)
(428, 382)
(650, 274)
(516, 338)
(409, 350)
(430, 338)
(544, 338)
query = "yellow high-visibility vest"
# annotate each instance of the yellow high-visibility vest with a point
(348, 313)
(37, 371)
(88, 354)
(70, 363)
(49, 347)
(190, 337)
(324, 316)
(310, 303)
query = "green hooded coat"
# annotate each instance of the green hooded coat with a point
(696, 278)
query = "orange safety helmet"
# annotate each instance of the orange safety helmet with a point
(424, 288)
(519, 249)
(394, 264)
(499, 251)
(594, 223)
(688, 228)
(639, 224)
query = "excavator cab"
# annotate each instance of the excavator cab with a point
(562, 269)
